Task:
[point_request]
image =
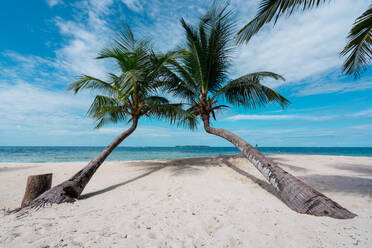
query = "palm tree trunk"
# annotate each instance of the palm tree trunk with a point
(297, 195)
(70, 190)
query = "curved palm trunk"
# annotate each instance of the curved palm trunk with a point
(71, 189)
(296, 194)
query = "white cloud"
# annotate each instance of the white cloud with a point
(53, 3)
(317, 117)
(134, 5)
(278, 117)
(85, 36)
(161, 20)
(364, 126)
(320, 87)
(363, 113)
(25, 107)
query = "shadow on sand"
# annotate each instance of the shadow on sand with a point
(192, 166)
(263, 184)
(358, 182)
(112, 187)
(177, 168)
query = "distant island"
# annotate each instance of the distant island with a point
(193, 146)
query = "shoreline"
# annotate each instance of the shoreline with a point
(182, 158)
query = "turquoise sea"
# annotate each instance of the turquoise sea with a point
(78, 153)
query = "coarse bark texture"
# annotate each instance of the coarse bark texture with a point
(70, 190)
(297, 195)
(36, 185)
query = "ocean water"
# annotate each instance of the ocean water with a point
(78, 153)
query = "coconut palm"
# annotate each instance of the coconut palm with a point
(358, 50)
(125, 97)
(200, 78)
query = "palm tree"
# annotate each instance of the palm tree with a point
(358, 50)
(125, 97)
(200, 79)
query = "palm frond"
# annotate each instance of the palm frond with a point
(100, 105)
(156, 100)
(209, 47)
(255, 77)
(358, 50)
(220, 23)
(251, 94)
(105, 110)
(110, 117)
(261, 75)
(273, 9)
(88, 82)
(176, 80)
(193, 59)
(173, 113)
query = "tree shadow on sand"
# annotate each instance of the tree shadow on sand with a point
(177, 167)
(112, 187)
(263, 184)
(365, 170)
(7, 169)
(341, 184)
(358, 181)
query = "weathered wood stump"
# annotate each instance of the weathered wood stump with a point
(36, 185)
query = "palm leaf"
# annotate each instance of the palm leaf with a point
(88, 82)
(273, 9)
(359, 47)
(173, 113)
(248, 92)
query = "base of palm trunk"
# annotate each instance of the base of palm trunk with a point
(304, 199)
(62, 193)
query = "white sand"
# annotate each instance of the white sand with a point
(198, 202)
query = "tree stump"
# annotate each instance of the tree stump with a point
(36, 185)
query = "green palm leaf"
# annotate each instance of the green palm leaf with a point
(252, 94)
(173, 113)
(88, 82)
(273, 9)
(359, 47)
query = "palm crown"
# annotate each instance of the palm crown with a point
(200, 74)
(133, 93)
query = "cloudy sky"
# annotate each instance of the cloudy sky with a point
(46, 44)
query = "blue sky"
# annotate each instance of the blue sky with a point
(45, 44)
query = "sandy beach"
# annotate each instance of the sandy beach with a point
(195, 202)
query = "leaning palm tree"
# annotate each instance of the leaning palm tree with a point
(125, 97)
(358, 50)
(200, 79)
